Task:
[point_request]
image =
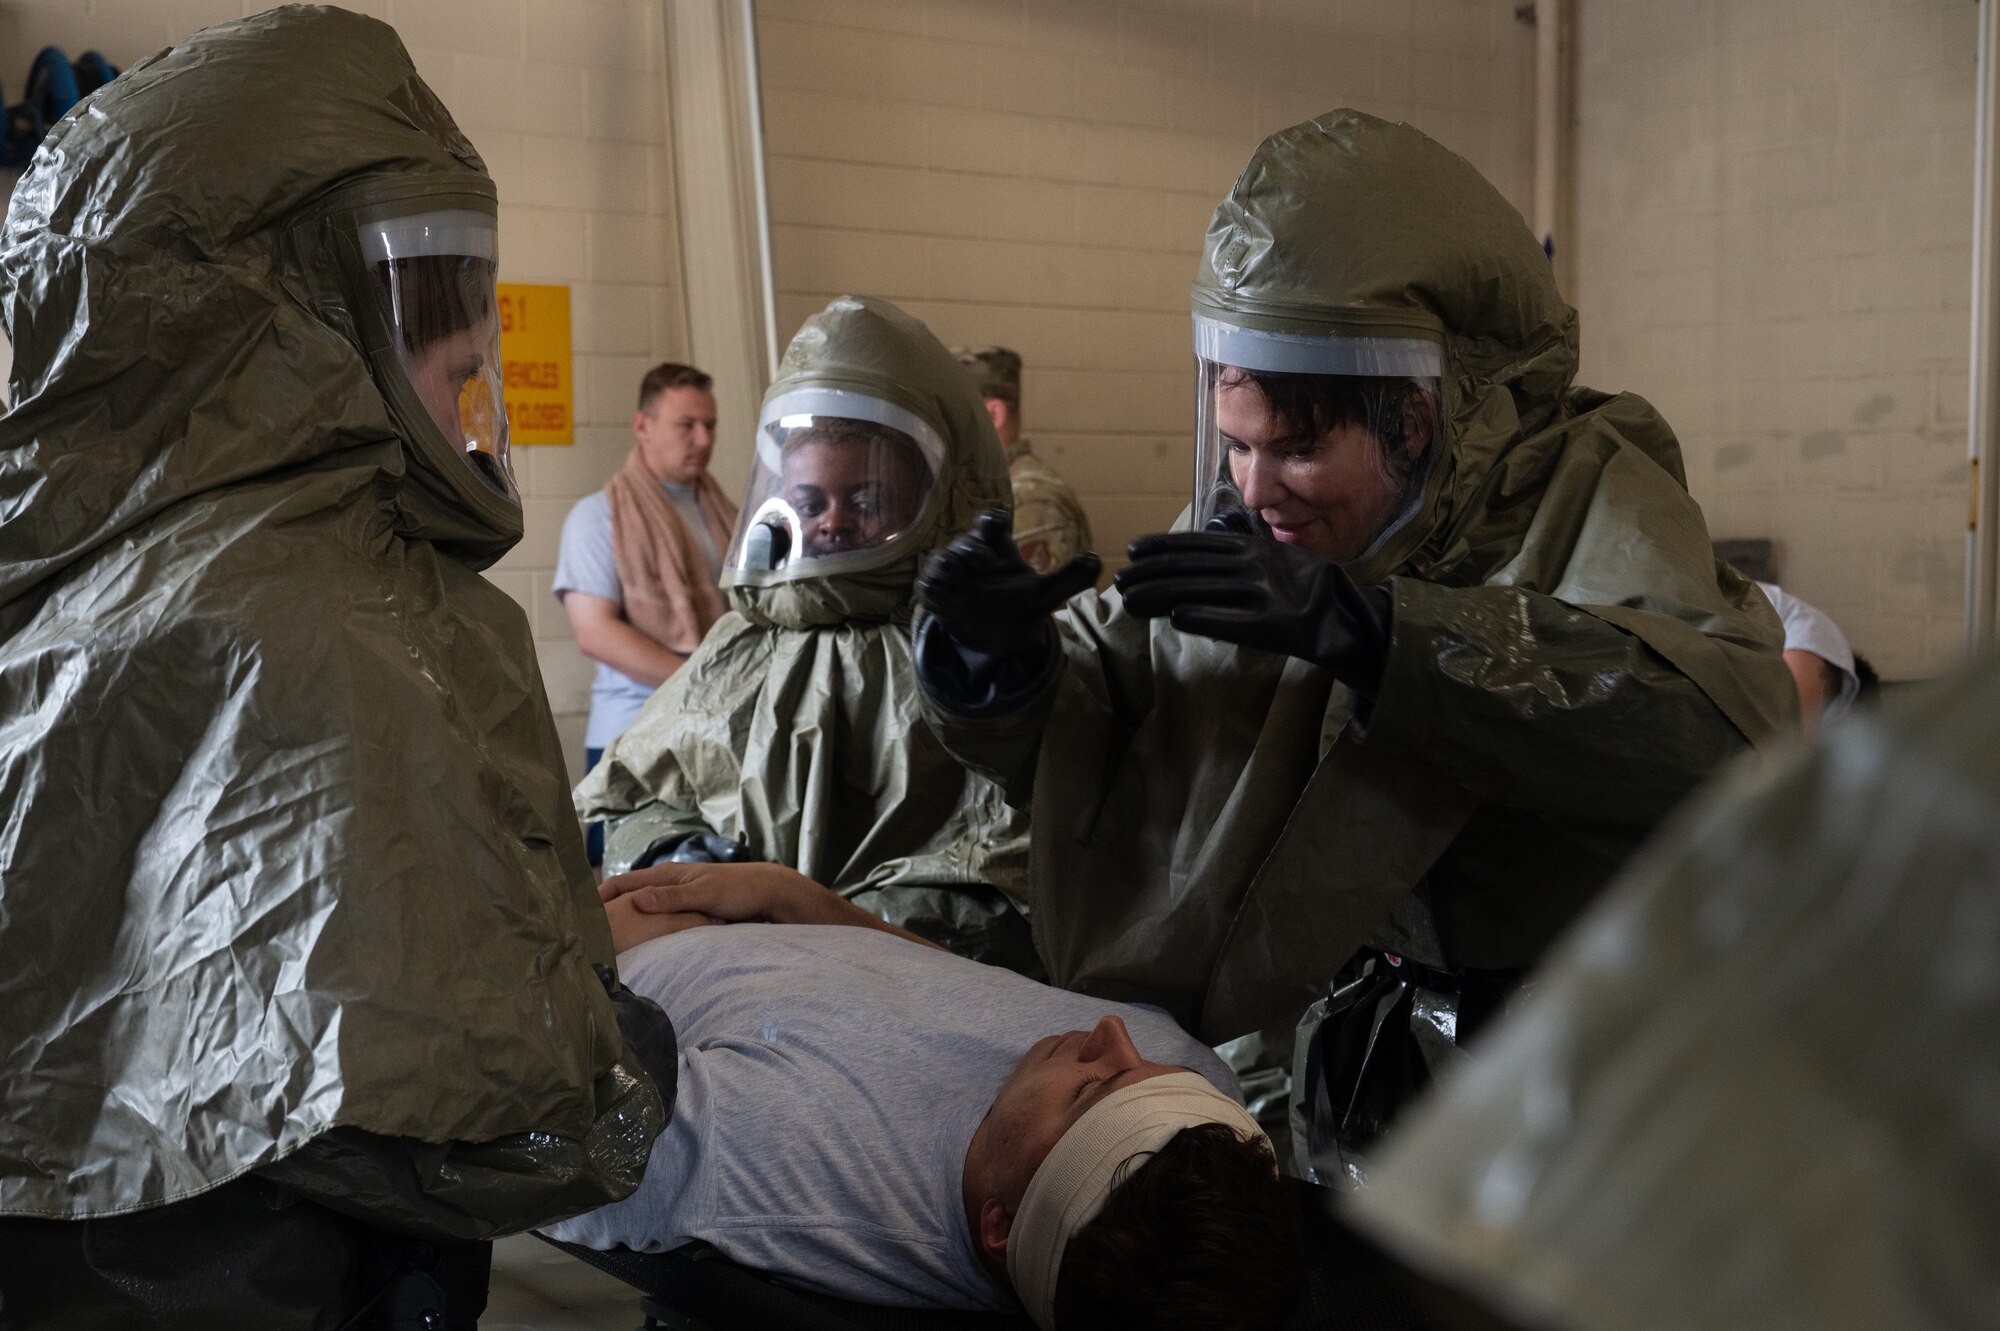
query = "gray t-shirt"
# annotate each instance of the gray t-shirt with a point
(830, 1081)
(585, 563)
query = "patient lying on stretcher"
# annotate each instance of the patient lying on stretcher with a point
(872, 1117)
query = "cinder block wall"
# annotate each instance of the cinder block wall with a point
(1040, 172)
(1775, 247)
(565, 101)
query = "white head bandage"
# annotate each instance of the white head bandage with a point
(1072, 1184)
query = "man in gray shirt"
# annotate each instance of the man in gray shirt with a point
(872, 1117)
(640, 559)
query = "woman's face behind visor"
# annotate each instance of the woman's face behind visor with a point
(1320, 440)
(1325, 479)
(434, 278)
(441, 373)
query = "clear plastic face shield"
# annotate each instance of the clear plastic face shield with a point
(837, 476)
(433, 275)
(1322, 441)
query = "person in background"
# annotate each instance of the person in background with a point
(1049, 523)
(640, 559)
(1831, 678)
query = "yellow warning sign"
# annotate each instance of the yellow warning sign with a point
(535, 364)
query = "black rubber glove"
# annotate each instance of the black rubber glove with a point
(1261, 593)
(695, 848)
(649, 1034)
(988, 598)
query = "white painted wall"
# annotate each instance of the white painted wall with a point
(1775, 202)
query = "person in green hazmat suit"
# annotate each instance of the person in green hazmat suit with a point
(1753, 1087)
(794, 733)
(304, 986)
(1440, 640)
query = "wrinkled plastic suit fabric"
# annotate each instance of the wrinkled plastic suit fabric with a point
(1755, 1086)
(1214, 829)
(287, 845)
(795, 727)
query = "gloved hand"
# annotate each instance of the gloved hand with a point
(988, 598)
(1261, 593)
(695, 848)
(648, 1032)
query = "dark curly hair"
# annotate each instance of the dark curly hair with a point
(1312, 404)
(1202, 1234)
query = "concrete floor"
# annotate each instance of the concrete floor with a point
(536, 1288)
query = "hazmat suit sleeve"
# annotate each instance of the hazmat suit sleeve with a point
(641, 825)
(1533, 704)
(636, 840)
(648, 784)
(1606, 666)
(1101, 652)
(999, 742)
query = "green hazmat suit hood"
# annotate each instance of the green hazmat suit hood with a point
(1567, 658)
(288, 852)
(1336, 226)
(861, 345)
(795, 728)
(233, 254)
(1754, 1086)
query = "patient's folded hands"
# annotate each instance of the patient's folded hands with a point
(725, 893)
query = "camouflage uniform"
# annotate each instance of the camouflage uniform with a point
(1049, 523)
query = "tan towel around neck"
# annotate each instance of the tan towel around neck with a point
(669, 596)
